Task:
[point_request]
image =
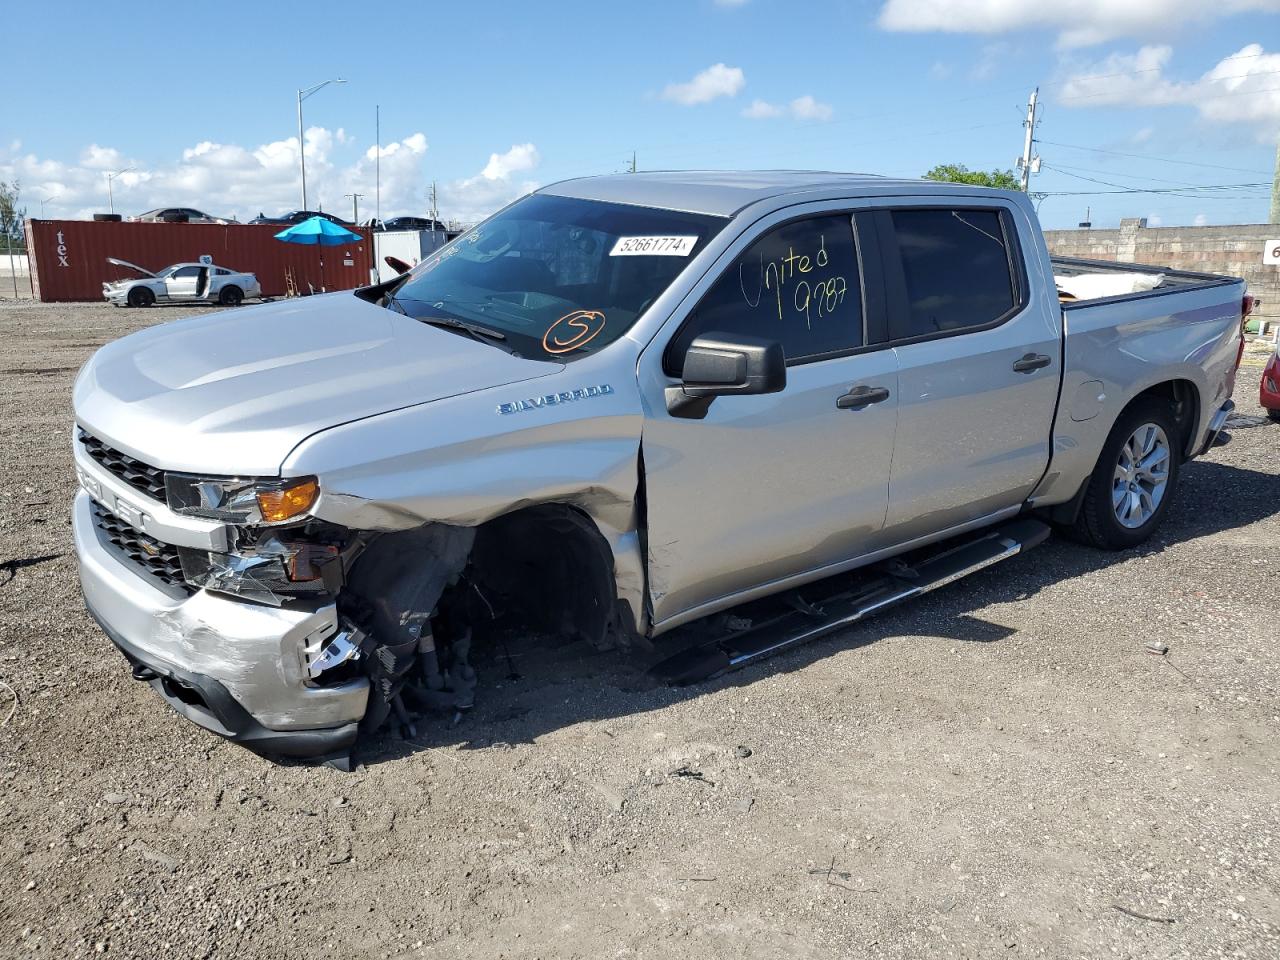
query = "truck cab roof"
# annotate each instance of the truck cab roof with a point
(726, 193)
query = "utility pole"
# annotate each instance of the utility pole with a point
(1275, 190)
(633, 161)
(377, 165)
(435, 214)
(355, 206)
(1027, 163)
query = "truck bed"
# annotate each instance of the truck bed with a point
(1170, 280)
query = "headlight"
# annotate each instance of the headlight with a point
(268, 571)
(240, 500)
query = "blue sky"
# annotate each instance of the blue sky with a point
(490, 100)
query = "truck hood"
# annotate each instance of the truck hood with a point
(232, 393)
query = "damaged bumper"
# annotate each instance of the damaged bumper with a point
(238, 669)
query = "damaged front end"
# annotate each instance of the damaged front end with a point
(387, 588)
(256, 611)
(409, 603)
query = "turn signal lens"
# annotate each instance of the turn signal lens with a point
(288, 501)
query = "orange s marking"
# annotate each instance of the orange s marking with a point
(573, 330)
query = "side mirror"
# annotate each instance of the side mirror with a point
(722, 364)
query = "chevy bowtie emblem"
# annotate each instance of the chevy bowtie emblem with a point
(150, 549)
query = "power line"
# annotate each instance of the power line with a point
(1199, 97)
(1174, 190)
(1140, 156)
(1134, 73)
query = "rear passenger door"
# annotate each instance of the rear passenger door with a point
(979, 364)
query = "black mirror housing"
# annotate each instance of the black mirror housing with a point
(723, 364)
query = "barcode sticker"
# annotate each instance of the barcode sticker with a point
(653, 247)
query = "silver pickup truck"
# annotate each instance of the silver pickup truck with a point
(618, 406)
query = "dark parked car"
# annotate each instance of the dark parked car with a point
(297, 216)
(410, 223)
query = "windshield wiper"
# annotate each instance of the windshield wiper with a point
(476, 332)
(472, 328)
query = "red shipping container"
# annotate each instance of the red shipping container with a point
(69, 257)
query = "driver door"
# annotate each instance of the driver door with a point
(779, 487)
(181, 284)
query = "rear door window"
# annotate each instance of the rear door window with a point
(798, 284)
(958, 267)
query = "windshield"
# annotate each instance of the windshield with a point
(558, 278)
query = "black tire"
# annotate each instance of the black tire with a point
(141, 297)
(107, 217)
(1098, 523)
(1273, 414)
(231, 296)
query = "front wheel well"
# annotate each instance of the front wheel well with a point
(547, 568)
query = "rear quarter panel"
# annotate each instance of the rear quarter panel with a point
(1114, 350)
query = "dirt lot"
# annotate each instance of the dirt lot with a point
(997, 771)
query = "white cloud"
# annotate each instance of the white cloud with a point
(1200, 220)
(730, 3)
(1241, 88)
(714, 82)
(1080, 23)
(807, 108)
(224, 179)
(522, 156)
(474, 198)
(801, 108)
(761, 110)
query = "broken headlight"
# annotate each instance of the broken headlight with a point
(239, 500)
(269, 571)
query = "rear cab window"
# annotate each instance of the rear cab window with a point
(955, 269)
(797, 284)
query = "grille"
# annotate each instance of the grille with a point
(139, 475)
(156, 559)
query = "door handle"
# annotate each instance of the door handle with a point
(1032, 361)
(862, 396)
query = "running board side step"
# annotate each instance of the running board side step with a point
(809, 621)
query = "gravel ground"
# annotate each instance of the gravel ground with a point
(999, 770)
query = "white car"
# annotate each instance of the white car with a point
(181, 283)
(179, 215)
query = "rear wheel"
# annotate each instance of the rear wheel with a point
(1132, 485)
(1274, 414)
(231, 296)
(141, 297)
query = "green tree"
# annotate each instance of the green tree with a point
(11, 217)
(959, 173)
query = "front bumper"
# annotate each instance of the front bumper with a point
(233, 667)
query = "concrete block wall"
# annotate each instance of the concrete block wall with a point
(1235, 251)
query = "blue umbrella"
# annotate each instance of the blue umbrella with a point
(317, 231)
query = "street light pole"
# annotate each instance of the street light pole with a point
(355, 199)
(302, 147)
(111, 200)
